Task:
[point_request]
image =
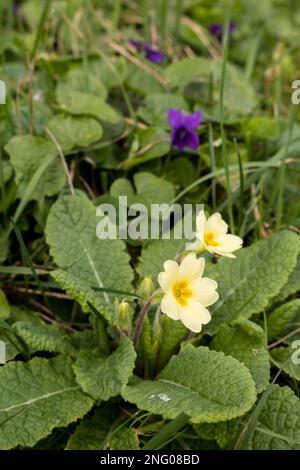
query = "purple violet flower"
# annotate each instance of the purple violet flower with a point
(184, 129)
(217, 29)
(153, 55)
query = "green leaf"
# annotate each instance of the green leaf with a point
(187, 70)
(43, 337)
(148, 144)
(262, 128)
(105, 377)
(225, 433)
(284, 359)
(27, 154)
(205, 385)
(124, 439)
(79, 80)
(155, 112)
(150, 189)
(172, 334)
(155, 254)
(112, 73)
(92, 432)
(4, 306)
(181, 172)
(279, 319)
(6, 172)
(84, 295)
(242, 281)
(71, 131)
(148, 346)
(292, 285)
(153, 189)
(279, 422)
(36, 397)
(97, 433)
(141, 81)
(71, 235)
(82, 93)
(78, 103)
(246, 342)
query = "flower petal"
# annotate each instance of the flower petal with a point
(165, 281)
(229, 243)
(194, 316)
(170, 307)
(191, 267)
(205, 291)
(193, 140)
(216, 225)
(196, 245)
(175, 118)
(192, 121)
(155, 56)
(177, 140)
(171, 268)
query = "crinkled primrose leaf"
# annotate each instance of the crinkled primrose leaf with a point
(84, 295)
(71, 235)
(246, 342)
(205, 385)
(36, 397)
(105, 377)
(247, 284)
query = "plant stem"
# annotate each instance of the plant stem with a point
(140, 321)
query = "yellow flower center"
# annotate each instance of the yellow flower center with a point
(182, 293)
(210, 239)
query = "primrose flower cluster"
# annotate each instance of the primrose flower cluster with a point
(187, 294)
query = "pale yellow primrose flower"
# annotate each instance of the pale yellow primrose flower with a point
(187, 293)
(212, 236)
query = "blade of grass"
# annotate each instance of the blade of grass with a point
(241, 188)
(167, 432)
(40, 30)
(25, 253)
(282, 172)
(21, 270)
(27, 260)
(253, 55)
(2, 182)
(249, 166)
(162, 19)
(212, 164)
(116, 15)
(30, 189)
(178, 12)
(223, 135)
(146, 18)
(122, 88)
(251, 425)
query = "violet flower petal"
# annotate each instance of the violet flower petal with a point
(155, 56)
(192, 121)
(193, 140)
(175, 118)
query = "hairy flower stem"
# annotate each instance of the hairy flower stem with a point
(140, 321)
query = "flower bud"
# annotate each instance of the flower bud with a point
(124, 312)
(146, 287)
